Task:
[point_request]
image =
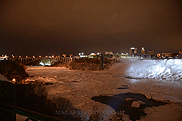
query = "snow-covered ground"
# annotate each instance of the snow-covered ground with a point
(80, 86)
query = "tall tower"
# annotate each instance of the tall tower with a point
(143, 51)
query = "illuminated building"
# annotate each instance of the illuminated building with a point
(4, 57)
(108, 53)
(180, 52)
(93, 54)
(133, 50)
(166, 54)
(150, 52)
(81, 53)
(143, 51)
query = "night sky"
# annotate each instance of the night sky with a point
(42, 27)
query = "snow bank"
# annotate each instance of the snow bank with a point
(2, 78)
(42, 79)
(167, 69)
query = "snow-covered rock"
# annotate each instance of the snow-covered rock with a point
(137, 104)
(129, 99)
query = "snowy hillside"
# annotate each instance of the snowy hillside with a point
(159, 69)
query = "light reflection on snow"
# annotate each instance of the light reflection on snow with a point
(45, 64)
(159, 69)
(133, 81)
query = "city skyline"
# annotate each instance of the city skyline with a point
(48, 27)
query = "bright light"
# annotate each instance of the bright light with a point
(92, 54)
(82, 55)
(13, 80)
(43, 64)
(132, 48)
(39, 56)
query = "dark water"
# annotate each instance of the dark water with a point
(119, 103)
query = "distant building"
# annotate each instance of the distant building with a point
(167, 54)
(180, 52)
(93, 54)
(150, 52)
(76, 56)
(133, 50)
(4, 57)
(143, 51)
(109, 53)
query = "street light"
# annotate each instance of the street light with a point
(13, 80)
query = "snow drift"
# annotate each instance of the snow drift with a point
(167, 69)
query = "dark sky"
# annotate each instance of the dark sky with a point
(42, 27)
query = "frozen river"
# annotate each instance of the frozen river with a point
(81, 86)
